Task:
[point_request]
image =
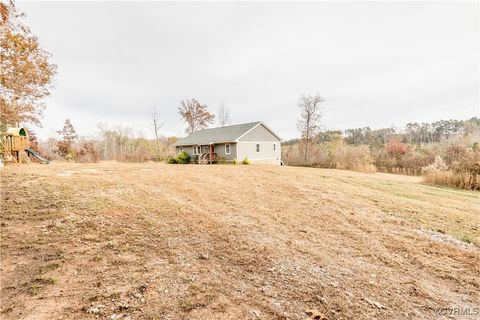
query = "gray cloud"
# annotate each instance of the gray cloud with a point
(377, 63)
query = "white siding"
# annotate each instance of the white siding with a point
(267, 153)
(259, 133)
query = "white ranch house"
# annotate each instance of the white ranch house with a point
(254, 141)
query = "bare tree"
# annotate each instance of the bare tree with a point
(223, 115)
(309, 122)
(195, 115)
(157, 125)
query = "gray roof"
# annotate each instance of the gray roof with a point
(216, 135)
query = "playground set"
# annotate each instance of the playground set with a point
(15, 147)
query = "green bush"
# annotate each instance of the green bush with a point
(183, 158)
(246, 161)
(466, 238)
(171, 160)
(475, 146)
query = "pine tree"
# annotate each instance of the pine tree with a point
(69, 135)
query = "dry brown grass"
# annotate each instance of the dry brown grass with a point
(447, 178)
(159, 241)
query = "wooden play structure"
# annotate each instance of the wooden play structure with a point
(15, 146)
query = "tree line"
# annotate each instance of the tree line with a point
(412, 133)
(445, 151)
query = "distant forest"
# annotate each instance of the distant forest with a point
(447, 152)
(412, 133)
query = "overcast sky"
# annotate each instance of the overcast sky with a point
(377, 63)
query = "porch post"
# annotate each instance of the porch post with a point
(211, 153)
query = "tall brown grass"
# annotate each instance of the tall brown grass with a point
(448, 178)
(464, 176)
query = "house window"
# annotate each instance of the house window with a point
(227, 148)
(274, 147)
(181, 149)
(196, 150)
(258, 147)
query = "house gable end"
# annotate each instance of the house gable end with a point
(259, 133)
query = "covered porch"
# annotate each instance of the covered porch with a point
(205, 154)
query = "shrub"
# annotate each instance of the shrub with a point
(466, 238)
(395, 148)
(171, 160)
(413, 162)
(355, 158)
(437, 165)
(71, 155)
(183, 157)
(332, 155)
(455, 152)
(475, 147)
(246, 161)
(465, 175)
(88, 153)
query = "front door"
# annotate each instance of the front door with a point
(207, 148)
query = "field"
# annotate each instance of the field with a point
(157, 241)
